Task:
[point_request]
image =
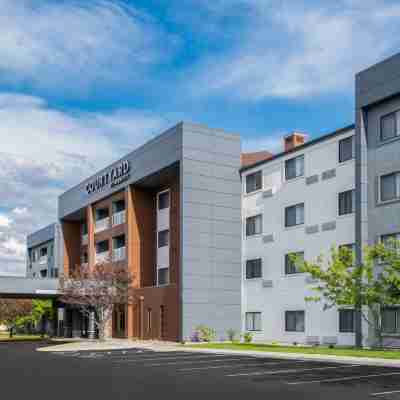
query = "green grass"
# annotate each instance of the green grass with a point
(337, 351)
(5, 337)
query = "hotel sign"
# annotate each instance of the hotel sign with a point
(115, 176)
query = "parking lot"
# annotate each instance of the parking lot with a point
(122, 374)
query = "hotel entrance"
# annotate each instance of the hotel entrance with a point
(119, 321)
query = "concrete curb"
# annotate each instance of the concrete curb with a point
(377, 362)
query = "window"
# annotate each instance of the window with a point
(102, 246)
(294, 167)
(391, 320)
(347, 202)
(254, 268)
(118, 206)
(118, 241)
(254, 182)
(294, 321)
(51, 250)
(254, 225)
(389, 241)
(149, 317)
(346, 320)
(390, 126)
(163, 276)
(163, 200)
(390, 186)
(55, 272)
(163, 238)
(294, 215)
(253, 321)
(346, 149)
(290, 266)
(43, 252)
(101, 213)
(43, 273)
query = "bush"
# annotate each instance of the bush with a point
(247, 337)
(195, 337)
(206, 334)
(232, 334)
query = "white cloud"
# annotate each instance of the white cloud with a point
(272, 142)
(44, 151)
(294, 50)
(76, 46)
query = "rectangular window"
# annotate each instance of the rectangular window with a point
(346, 149)
(390, 186)
(346, 320)
(294, 321)
(290, 266)
(294, 167)
(102, 246)
(55, 272)
(254, 225)
(391, 320)
(254, 268)
(390, 126)
(43, 251)
(253, 321)
(294, 215)
(163, 200)
(163, 238)
(163, 276)
(389, 241)
(102, 213)
(254, 182)
(347, 202)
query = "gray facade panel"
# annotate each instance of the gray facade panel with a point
(41, 236)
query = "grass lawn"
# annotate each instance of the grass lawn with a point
(5, 337)
(337, 351)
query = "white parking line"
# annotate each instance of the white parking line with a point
(289, 371)
(140, 359)
(193, 362)
(236, 365)
(347, 378)
(385, 393)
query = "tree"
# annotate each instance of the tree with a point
(98, 290)
(375, 284)
(11, 311)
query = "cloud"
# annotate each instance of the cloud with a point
(44, 151)
(299, 50)
(76, 47)
(272, 143)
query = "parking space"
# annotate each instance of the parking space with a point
(123, 374)
(260, 372)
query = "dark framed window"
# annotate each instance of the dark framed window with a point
(254, 225)
(391, 320)
(43, 273)
(346, 320)
(294, 215)
(118, 241)
(163, 238)
(294, 321)
(254, 182)
(254, 268)
(118, 206)
(290, 266)
(389, 126)
(163, 276)
(390, 186)
(346, 149)
(149, 319)
(43, 252)
(102, 246)
(390, 240)
(253, 321)
(347, 202)
(102, 213)
(163, 200)
(294, 167)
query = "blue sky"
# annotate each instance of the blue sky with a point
(84, 82)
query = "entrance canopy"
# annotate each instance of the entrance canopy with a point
(21, 287)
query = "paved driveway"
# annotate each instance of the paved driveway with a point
(124, 374)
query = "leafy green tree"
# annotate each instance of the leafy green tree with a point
(11, 312)
(375, 284)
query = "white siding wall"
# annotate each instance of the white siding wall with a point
(320, 206)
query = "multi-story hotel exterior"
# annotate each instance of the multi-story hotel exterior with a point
(208, 232)
(170, 212)
(302, 202)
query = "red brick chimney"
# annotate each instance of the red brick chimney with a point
(293, 140)
(251, 158)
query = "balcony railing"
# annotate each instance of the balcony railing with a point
(119, 254)
(118, 218)
(102, 257)
(102, 224)
(43, 260)
(85, 239)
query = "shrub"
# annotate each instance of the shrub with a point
(195, 337)
(247, 337)
(231, 333)
(206, 334)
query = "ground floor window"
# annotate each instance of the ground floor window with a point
(346, 320)
(149, 317)
(253, 321)
(294, 321)
(391, 320)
